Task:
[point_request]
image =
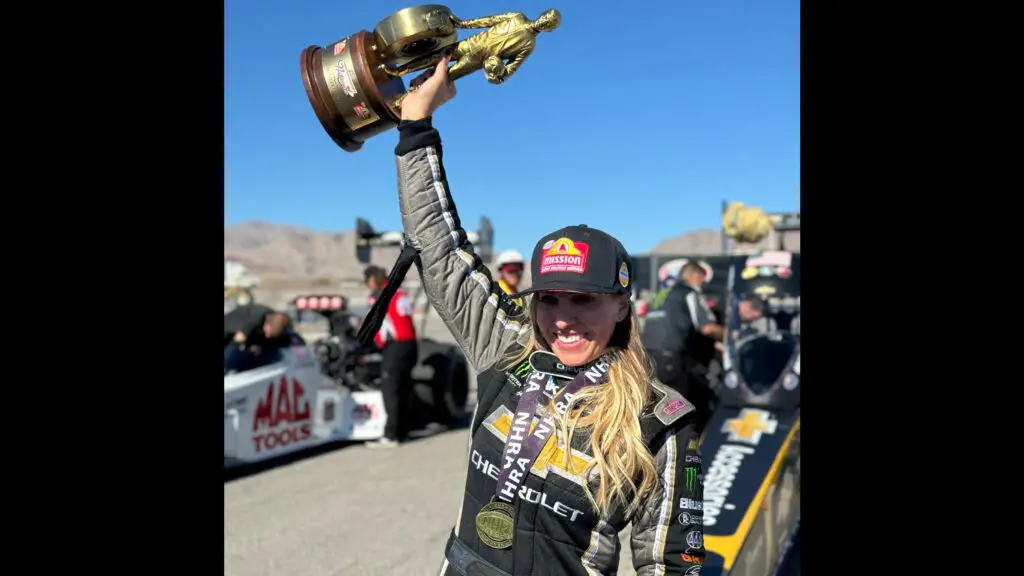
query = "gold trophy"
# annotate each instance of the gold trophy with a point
(355, 85)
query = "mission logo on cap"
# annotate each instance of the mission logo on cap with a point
(563, 255)
(580, 259)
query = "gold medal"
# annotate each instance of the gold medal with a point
(495, 524)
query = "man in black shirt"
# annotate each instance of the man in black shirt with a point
(680, 335)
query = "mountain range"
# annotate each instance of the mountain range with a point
(292, 258)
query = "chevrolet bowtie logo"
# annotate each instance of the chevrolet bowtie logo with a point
(749, 426)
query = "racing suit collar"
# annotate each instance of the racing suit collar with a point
(547, 363)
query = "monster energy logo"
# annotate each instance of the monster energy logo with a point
(691, 478)
(522, 369)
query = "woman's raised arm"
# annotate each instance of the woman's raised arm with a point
(457, 283)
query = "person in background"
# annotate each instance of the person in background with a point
(256, 325)
(752, 318)
(251, 333)
(397, 341)
(680, 335)
(510, 273)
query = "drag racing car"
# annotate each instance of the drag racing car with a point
(278, 401)
(441, 373)
(751, 445)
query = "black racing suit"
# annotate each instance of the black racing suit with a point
(556, 529)
(682, 354)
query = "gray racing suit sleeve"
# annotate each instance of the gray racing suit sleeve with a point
(459, 286)
(668, 534)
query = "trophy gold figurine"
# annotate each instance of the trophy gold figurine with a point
(355, 85)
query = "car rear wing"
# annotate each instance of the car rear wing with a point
(367, 238)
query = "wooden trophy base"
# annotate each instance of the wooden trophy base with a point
(351, 94)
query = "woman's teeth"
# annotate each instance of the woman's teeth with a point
(568, 339)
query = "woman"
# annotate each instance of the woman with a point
(532, 505)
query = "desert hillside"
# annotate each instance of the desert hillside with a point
(290, 259)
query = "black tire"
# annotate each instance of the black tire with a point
(459, 382)
(441, 366)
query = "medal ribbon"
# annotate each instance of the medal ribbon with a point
(523, 447)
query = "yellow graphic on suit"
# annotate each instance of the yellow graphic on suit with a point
(551, 457)
(729, 546)
(508, 290)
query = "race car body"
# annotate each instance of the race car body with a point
(751, 489)
(441, 373)
(751, 445)
(286, 404)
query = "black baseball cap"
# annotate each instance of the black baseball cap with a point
(580, 259)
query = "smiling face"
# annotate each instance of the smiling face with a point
(577, 327)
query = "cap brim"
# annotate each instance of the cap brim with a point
(559, 287)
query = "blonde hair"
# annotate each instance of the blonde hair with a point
(610, 413)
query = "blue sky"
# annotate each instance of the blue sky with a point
(639, 128)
